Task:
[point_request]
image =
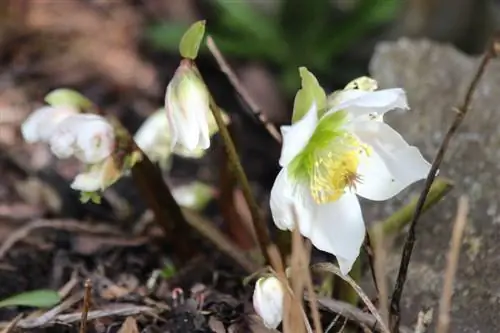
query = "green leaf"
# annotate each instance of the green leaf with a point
(42, 298)
(168, 271)
(191, 40)
(93, 197)
(311, 92)
(68, 97)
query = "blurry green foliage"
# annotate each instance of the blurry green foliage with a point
(301, 33)
(42, 298)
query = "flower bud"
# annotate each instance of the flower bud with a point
(268, 300)
(42, 122)
(187, 105)
(98, 177)
(88, 137)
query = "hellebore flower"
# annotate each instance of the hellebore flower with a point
(187, 104)
(88, 137)
(42, 122)
(154, 138)
(268, 298)
(328, 160)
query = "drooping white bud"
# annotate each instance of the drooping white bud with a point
(268, 298)
(187, 105)
(88, 137)
(98, 177)
(42, 122)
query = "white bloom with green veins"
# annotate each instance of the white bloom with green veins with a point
(329, 159)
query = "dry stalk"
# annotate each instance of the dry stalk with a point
(443, 323)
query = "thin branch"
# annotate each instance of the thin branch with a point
(258, 222)
(335, 270)
(226, 69)
(380, 257)
(451, 267)
(410, 239)
(87, 300)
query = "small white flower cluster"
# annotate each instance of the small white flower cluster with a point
(88, 137)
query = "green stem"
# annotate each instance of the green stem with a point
(397, 221)
(258, 223)
(346, 293)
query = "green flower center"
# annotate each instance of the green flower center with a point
(330, 160)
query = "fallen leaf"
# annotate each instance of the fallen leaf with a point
(129, 326)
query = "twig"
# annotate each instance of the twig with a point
(12, 325)
(352, 313)
(65, 224)
(211, 233)
(259, 224)
(451, 267)
(370, 253)
(410, 239)
(226, 69)
(87, 300)
(335, 270)
(380, 273)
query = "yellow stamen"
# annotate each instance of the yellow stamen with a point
(336, 170)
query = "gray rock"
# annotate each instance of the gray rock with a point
(435, 77)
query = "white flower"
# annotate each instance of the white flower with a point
(89, 137)
(187, 105)
(194, 195)
(154, 138)
(42, 122)
(327, 162)
(97, 177)
(268, 297)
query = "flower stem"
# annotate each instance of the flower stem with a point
(397, 221)
(258, 223)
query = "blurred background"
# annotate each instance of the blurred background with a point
(122, 53)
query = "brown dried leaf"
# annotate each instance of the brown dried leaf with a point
(129, 326)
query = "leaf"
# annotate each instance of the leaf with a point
(311, 92)
(191, 40)
(93, 197)
(68, 97)
(168, 271)
(42, 298)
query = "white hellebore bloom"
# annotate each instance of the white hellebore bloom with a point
(268, 298)
(42, 122)
(327, 161)
(187, 105)
(88, 137)
(154, 138)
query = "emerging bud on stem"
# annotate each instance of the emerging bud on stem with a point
(268, 300)
(187, 104)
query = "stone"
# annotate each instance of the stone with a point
(436, 77)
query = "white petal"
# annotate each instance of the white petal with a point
(339, 229)
(89, 137)
(290, 202)
(392, 165)
(87, 181)
(296, 136)
(41, 123)
(281, 203)
(360, 103)
(95, 140)
(153, 137)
